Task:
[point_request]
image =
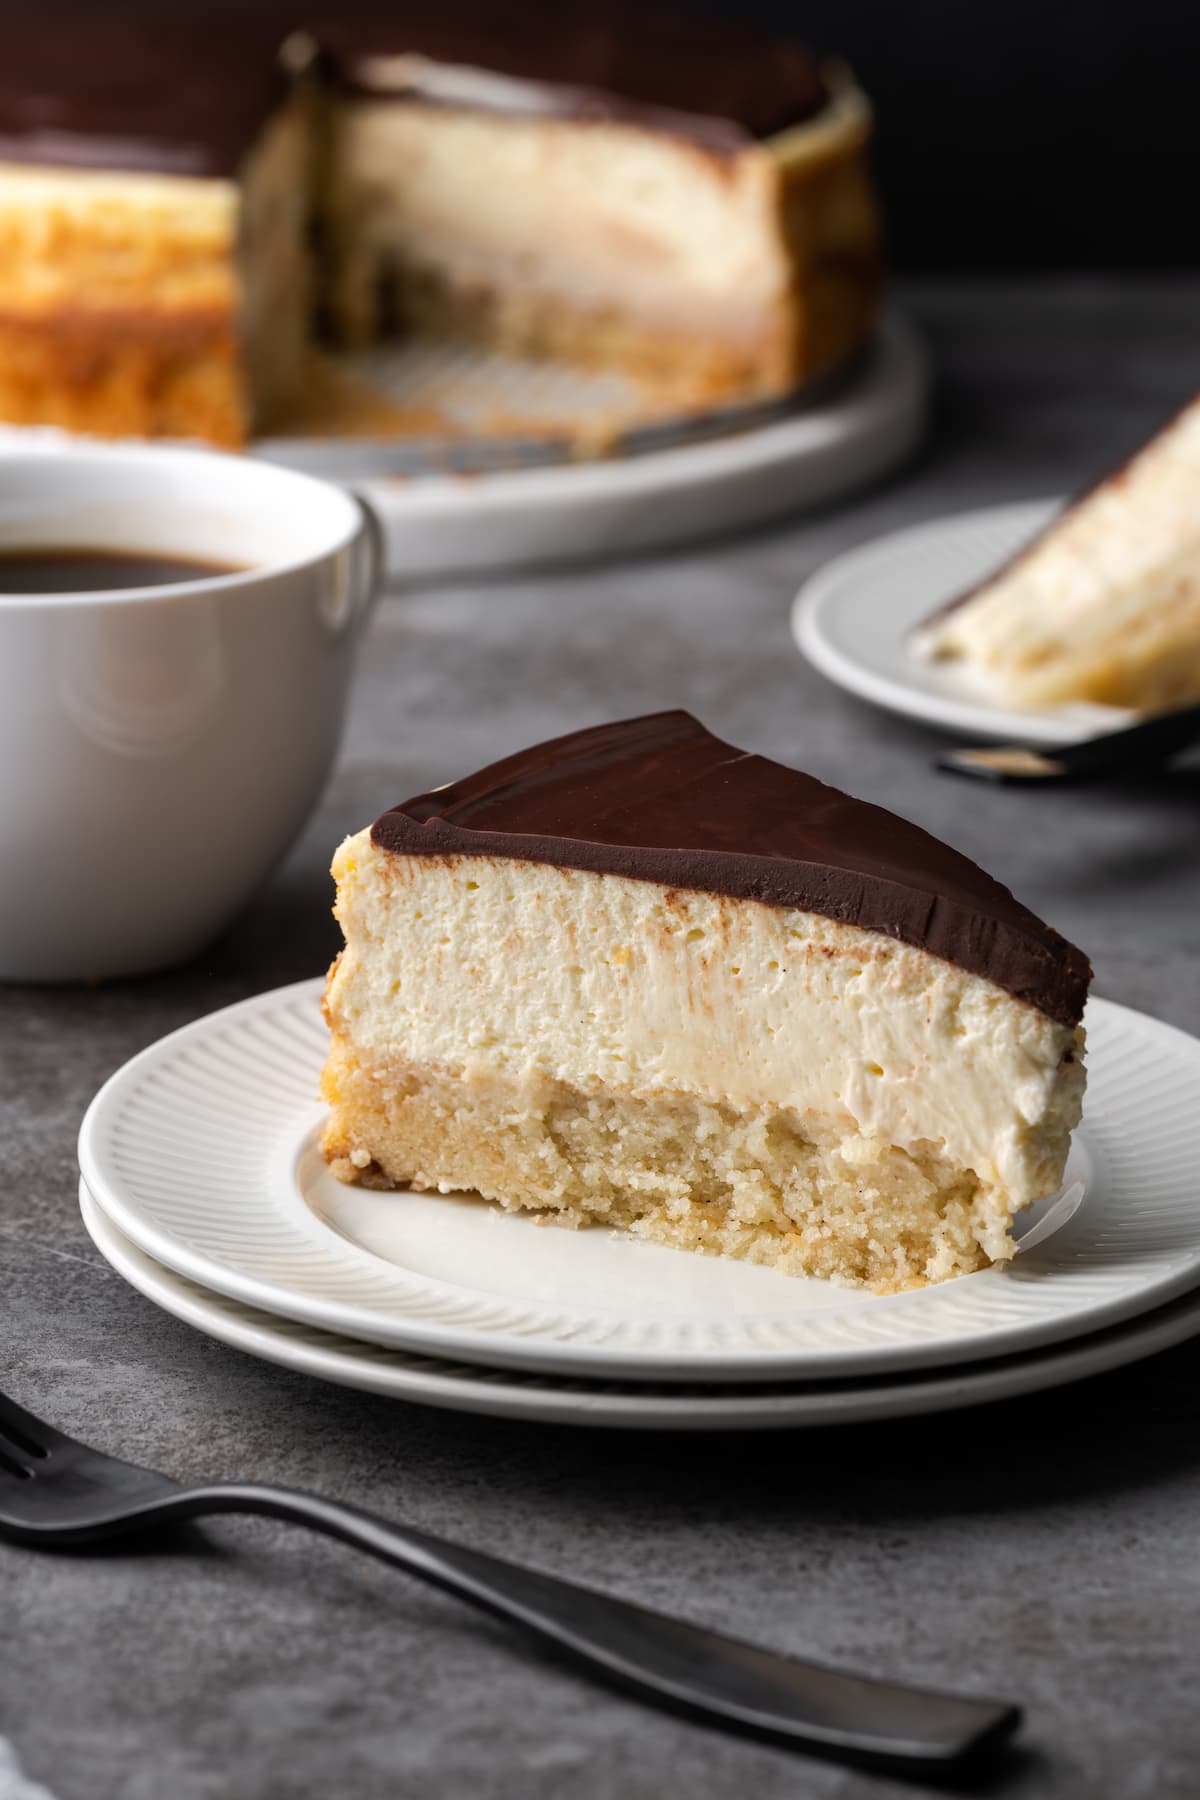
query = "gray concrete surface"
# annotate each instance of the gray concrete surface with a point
(1044, 1549)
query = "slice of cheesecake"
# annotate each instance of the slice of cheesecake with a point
(153, 198)
(613, 185)
(1105, 604)
(638, 977)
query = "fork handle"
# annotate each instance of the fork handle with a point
(679, 1665)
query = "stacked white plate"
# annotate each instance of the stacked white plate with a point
(202, 1184)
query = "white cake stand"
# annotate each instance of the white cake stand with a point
(439, 524)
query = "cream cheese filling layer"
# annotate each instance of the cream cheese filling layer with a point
(478, 964)
(555, 206)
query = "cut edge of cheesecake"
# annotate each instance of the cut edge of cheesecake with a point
(736, 270)
(720, 1053)
(1103, 604)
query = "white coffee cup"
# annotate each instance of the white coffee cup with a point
(161, 747)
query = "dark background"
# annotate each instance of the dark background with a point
(1024, 133)
(1012, 134)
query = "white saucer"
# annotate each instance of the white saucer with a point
(511, 1394)
(853, 617)
(203, 1150)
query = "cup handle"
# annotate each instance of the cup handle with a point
(372, 566)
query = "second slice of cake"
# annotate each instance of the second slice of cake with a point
(1104, 605)
(636, 976)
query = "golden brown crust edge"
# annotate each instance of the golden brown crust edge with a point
(129, 373)
(832, 233)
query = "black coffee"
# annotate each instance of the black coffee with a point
(82, 568)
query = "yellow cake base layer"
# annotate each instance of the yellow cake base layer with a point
(804, 1194)
(752, 357)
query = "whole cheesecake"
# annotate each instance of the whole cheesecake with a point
(640, 978)
(610, 185)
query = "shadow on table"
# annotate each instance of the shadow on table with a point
(1107, 1435)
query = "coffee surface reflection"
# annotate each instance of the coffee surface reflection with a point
(84, 568)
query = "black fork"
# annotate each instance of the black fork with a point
(1145, 745)
(56, 1492)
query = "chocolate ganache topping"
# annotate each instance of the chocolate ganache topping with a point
(188, 96)
(660, 799)
(155, 96)
(712, 80)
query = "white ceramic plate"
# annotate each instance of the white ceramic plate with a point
(853, 617)
(203, 1150)
(512, 1394)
